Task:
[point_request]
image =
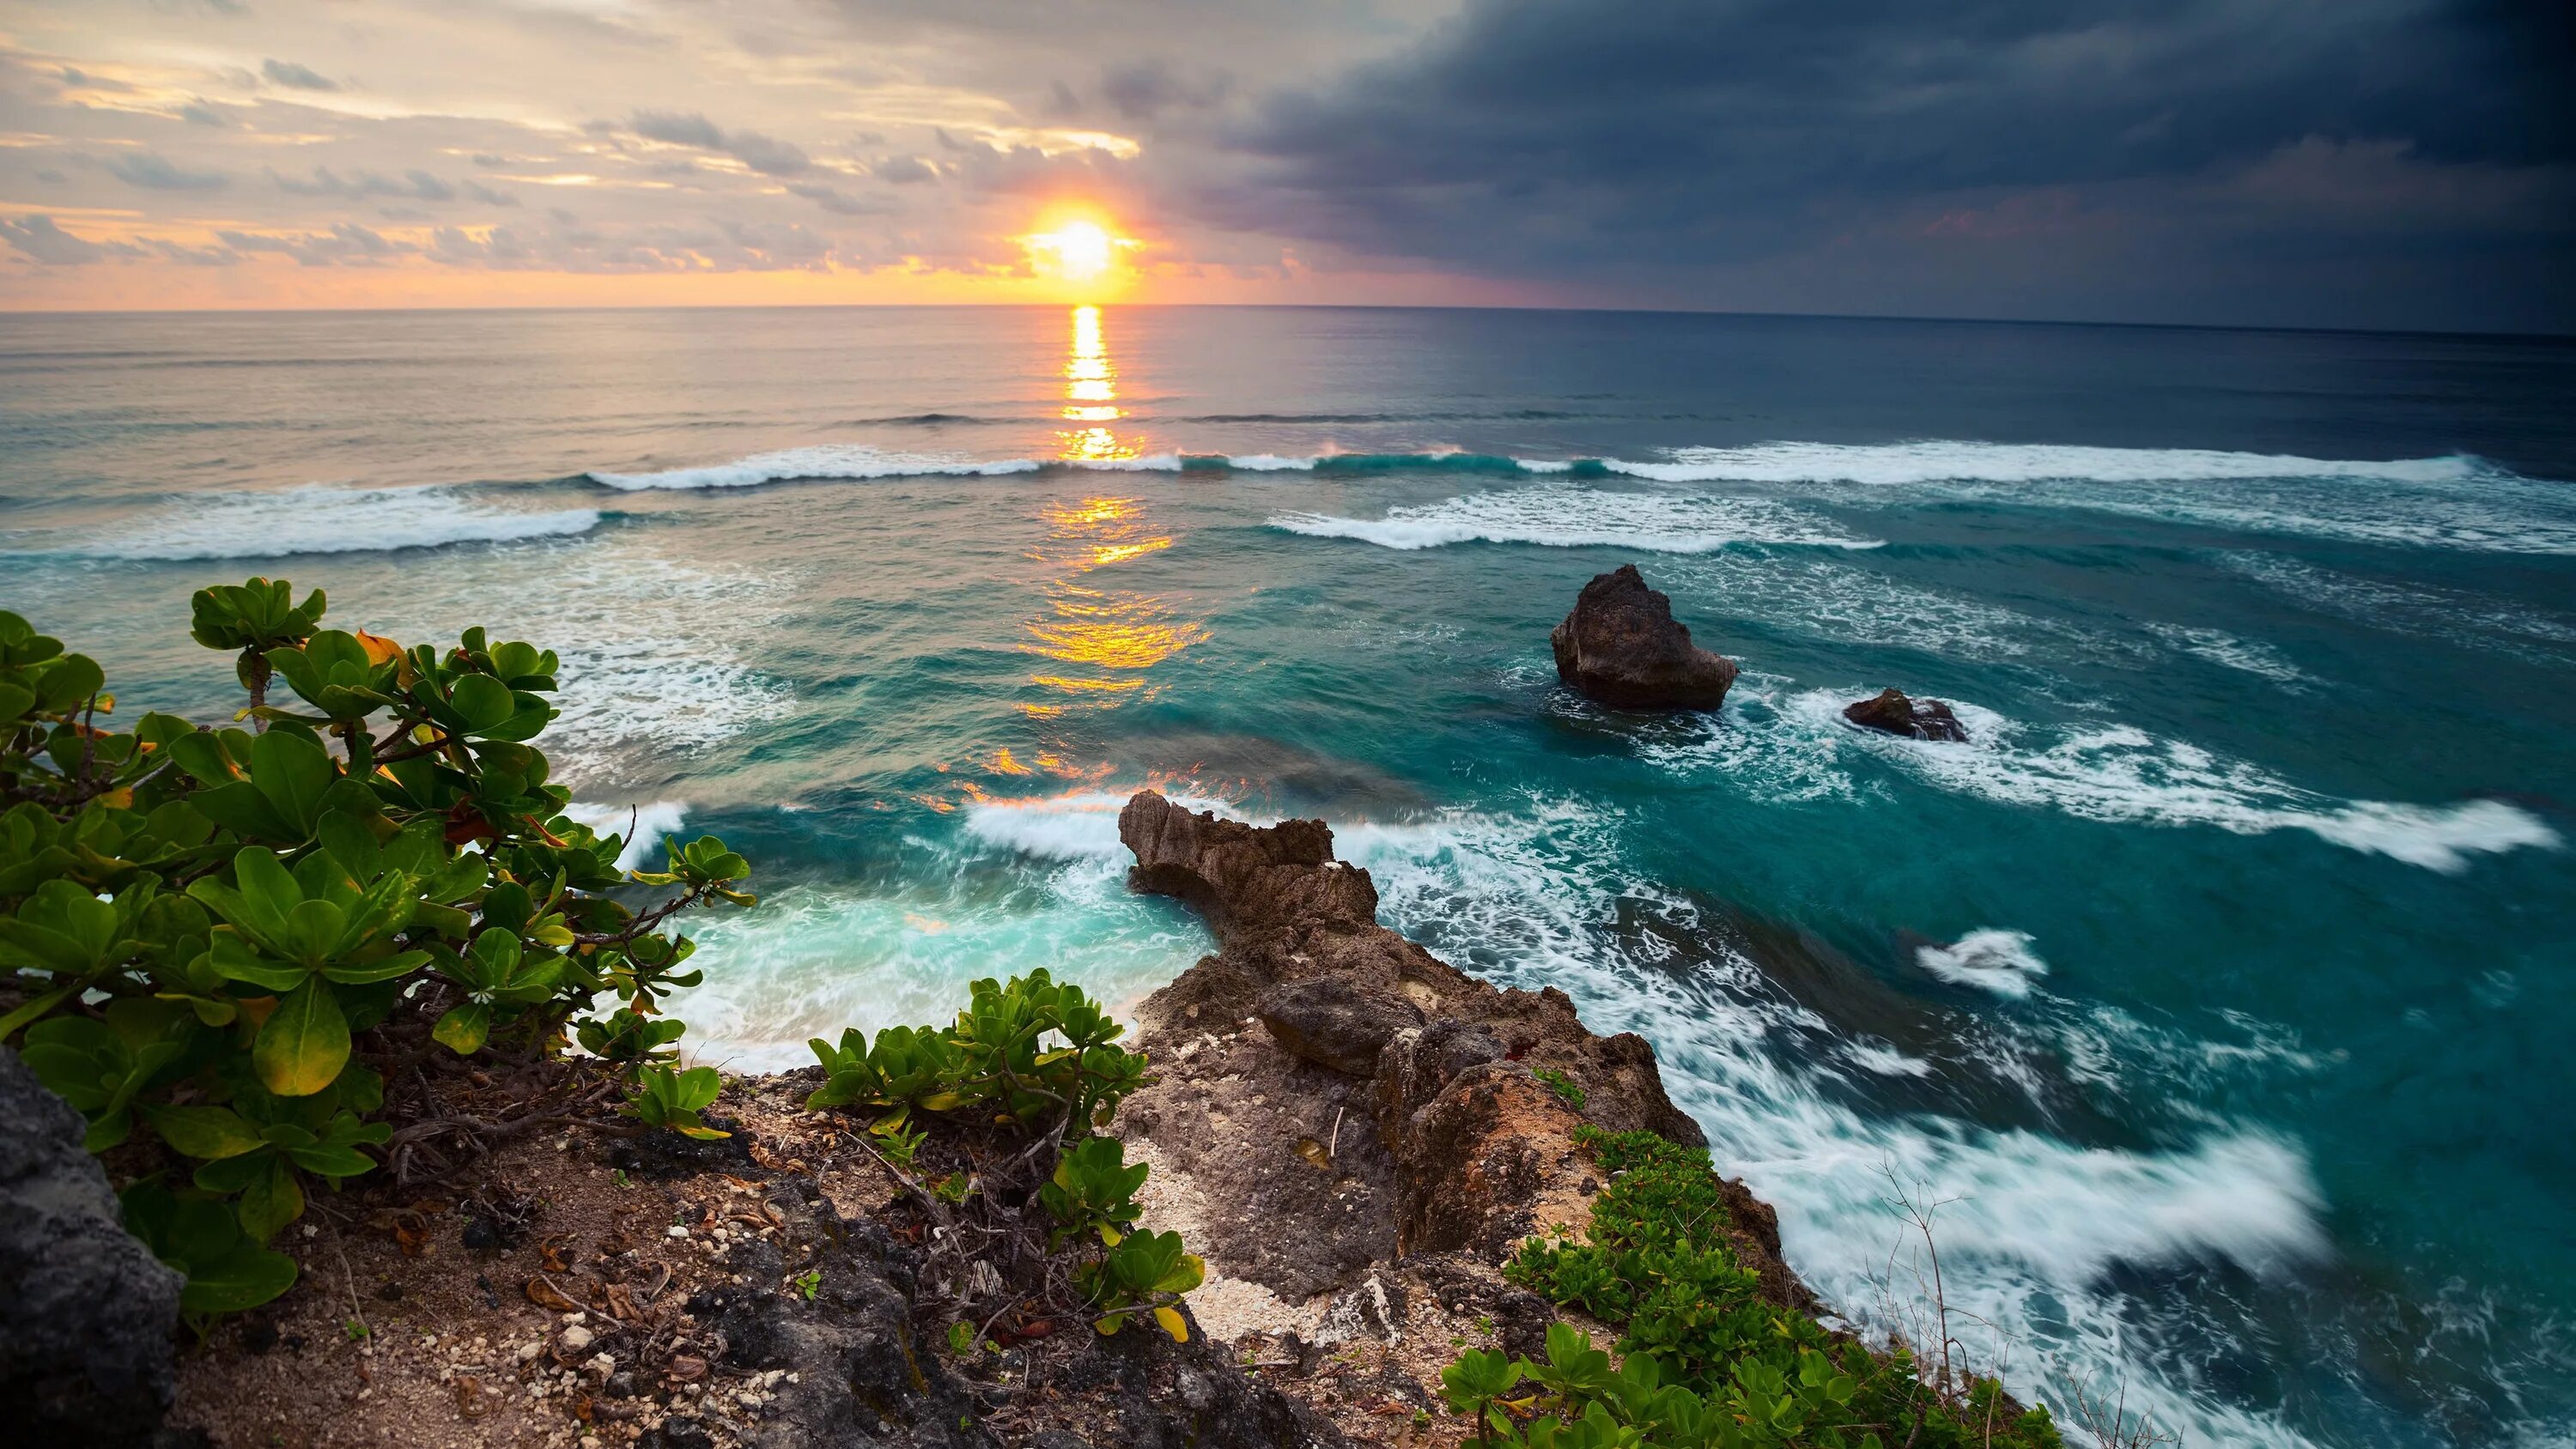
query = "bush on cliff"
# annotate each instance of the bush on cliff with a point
(219, 942)
(1037, 1058)
(1706, 1363)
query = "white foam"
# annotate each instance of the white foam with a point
(1990, 960)
(656, 654)
(2123, 774)
(1885, 1060)
(1949, 461)
(1797, 746)
(1078, 827)
(827, 460)
(644, 826)
(2222, 648)
(1828, 598)
(323, 519)
(1561, 517)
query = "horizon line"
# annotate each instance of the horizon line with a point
(2302, 328)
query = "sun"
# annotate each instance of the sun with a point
(1080, 251)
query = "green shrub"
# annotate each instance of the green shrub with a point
(1036, 1055)
(220, 936)
(1706, 1363)
(1034, 1050)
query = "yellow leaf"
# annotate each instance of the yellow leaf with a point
(1173, 1324)
(380, 650)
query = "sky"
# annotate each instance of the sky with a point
(2331, 163)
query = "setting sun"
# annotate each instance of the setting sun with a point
(1080, 251)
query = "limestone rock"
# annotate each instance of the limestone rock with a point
(1621, 646)
(1891, 712)
(1335, 1021)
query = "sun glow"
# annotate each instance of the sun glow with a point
(1079, 251)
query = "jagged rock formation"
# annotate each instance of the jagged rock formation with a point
(86, 1311)
(1621, 646)
(1891, 712)
(1357, 1132)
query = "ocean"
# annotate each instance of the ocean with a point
(2219, 986)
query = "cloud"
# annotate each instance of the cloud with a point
(764, 154)
(296, 77)
(1564, 140)
(1142, 90)
(147, 169)
(904, 170)
(40, 239)
(487, 195)
(840, 202)
(198, 113)
(346, 243)
(360, 185)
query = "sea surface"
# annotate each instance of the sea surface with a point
(2219, 987)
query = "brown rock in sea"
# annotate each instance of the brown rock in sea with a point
(1891, 712)
(1621, 646)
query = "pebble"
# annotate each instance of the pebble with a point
(576, 1338)
(677, 1231)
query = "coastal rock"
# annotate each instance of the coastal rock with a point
(1335, 1021)
(1621, 646)
(1891, 712)
(86, 1311)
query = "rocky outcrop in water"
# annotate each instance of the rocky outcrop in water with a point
(1354, 1133)
(1891, 712)
(85, 1310)
(1621, 646)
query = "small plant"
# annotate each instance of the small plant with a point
(665, 1098)
(617, 1175)
(961, 1339)
(953, 1188)
(1141, 1273)
(808, 1283)
(1567, 1090)
(355, 1330)
(1093, 1191)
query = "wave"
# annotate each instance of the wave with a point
(1794, 747)
(1947, 461)
(323, 520)
(1077, 827)
(645, 826)
(1990, 960)
(2425, 610)
(2228, 651)
(1580, 518)
(832, 460)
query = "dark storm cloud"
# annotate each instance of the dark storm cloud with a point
(765, 154)
(1550, 138)
(296, 77)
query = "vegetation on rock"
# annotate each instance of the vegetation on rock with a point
(1705, 1362)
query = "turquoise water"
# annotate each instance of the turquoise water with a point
(2222, 979)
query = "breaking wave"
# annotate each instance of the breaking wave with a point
(1796, 746)
(1990, 960)
(324, 520)
(1580, 518)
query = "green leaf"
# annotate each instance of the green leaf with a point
(464, 1029)
(210, 1133)
(293, 771)
(304, 1043)
(271, 1201)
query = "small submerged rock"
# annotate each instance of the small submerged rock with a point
(1621, 646)
(1891, 712)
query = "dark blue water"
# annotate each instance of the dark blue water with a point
(2222, 978)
